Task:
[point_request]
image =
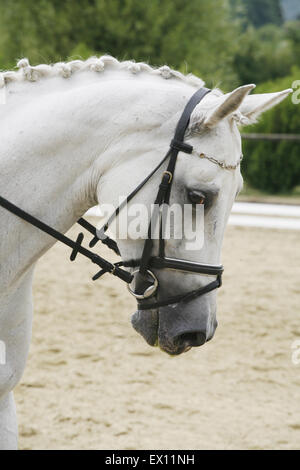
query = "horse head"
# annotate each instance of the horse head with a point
(205, 177)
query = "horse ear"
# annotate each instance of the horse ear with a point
(227, 105)
(255, 105)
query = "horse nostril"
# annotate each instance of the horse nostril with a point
(193, 339)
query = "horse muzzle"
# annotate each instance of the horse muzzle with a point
(177, 328)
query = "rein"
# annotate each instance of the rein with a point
(105, 265)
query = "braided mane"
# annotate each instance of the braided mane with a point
(29, 73)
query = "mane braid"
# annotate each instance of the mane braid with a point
(30, 73)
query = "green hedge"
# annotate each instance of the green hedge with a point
(274, 167)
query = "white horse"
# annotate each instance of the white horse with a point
(79, 133)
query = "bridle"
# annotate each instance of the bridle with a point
(146, 285)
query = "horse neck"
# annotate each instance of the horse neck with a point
(54, 149)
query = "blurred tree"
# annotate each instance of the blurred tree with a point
(205, 42)
(196, 34)
(271, 166)
(264, 53)
(293, 33)
(261, 12)
(258, 12)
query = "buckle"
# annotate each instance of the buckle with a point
(168, 173)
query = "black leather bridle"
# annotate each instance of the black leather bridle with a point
(145, 282)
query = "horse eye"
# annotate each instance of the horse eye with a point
(196, 197)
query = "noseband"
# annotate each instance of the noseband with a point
(142, 283)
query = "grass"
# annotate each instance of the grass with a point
(249, 194)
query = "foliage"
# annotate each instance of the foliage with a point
(194, 35)
(267, 52)
(261, 12)
(275, 166)
(293, 34)
(258, 12)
